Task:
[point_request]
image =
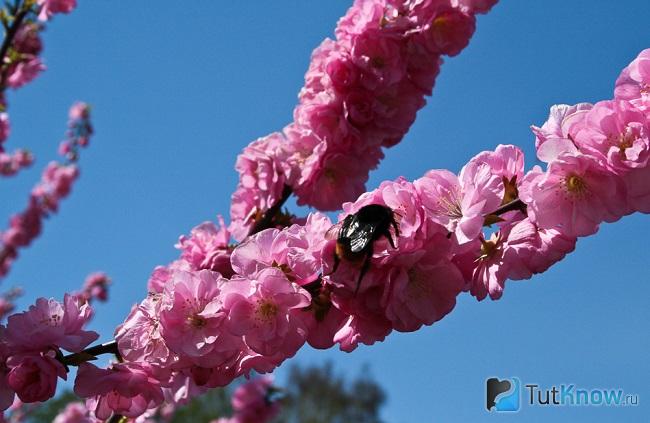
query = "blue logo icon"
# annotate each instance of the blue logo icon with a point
(502, 395)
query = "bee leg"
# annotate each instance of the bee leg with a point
(395, 226)
(364, 269)
(388, 235)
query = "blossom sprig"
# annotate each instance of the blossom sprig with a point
(467, 232)
(361, 94)
(56, 183)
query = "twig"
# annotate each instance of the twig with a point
(267, 220)
(91, 353)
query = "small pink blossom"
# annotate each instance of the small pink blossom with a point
(340, 177)
(24, 72)
(555, 135)
(448, 32)
(95, 287)
(127, 389)
(34, 376)
(50, 7)
(617, 134)
(261, 310)
(50, 324)
(634, 82)
(207, 247)
(574, 196)
(461, 203)
(422, 289)
(261, 182)
(5, 128)
(251, 403)
(75, 412)
(380, 57)
(139, 338)
(192, 319)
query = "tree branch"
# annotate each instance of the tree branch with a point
(513, 205)
(267, 220)
(91, 353)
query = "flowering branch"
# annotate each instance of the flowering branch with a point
(20, 10)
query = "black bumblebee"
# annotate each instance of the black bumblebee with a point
(357, 232)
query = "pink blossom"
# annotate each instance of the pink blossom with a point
(50, 324)
(448, 32)
(616, 134)
(127, 389)
(139, 338)
(207, 247)
(461, 203)
(380, 58)
(50, 7)
(258, 252)
(531, 250)
(192, 319)
(10, 164)
(5, 128)
(24, 72)
(365, 328)
(27, 40)
(555, 135)
(474, 6)
(75, 412)
(516, 251)
(261, 182)
(634, 82)
(339, 178)
(422, 288)
(638, 189)
(250, 401)
(573, 196)
(364, 15)
(261, 310)
(33, 376)
(295, 250)
(96, 287)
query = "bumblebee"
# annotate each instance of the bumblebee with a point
(356, 234)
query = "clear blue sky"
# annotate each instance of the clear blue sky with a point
(179, 88)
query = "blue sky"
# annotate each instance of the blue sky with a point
(180, 88)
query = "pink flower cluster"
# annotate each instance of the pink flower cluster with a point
(469, 231)
(24, 64)
(95, 287)
(361, 93)
(55, 184)
(30, 348)
(251, 402)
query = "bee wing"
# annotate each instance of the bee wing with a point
(334, 232)
(361, 237)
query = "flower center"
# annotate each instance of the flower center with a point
(449, 205)
(489, 247)
(576, 186)
(196, 321)
(266, 310)
(418, 284)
